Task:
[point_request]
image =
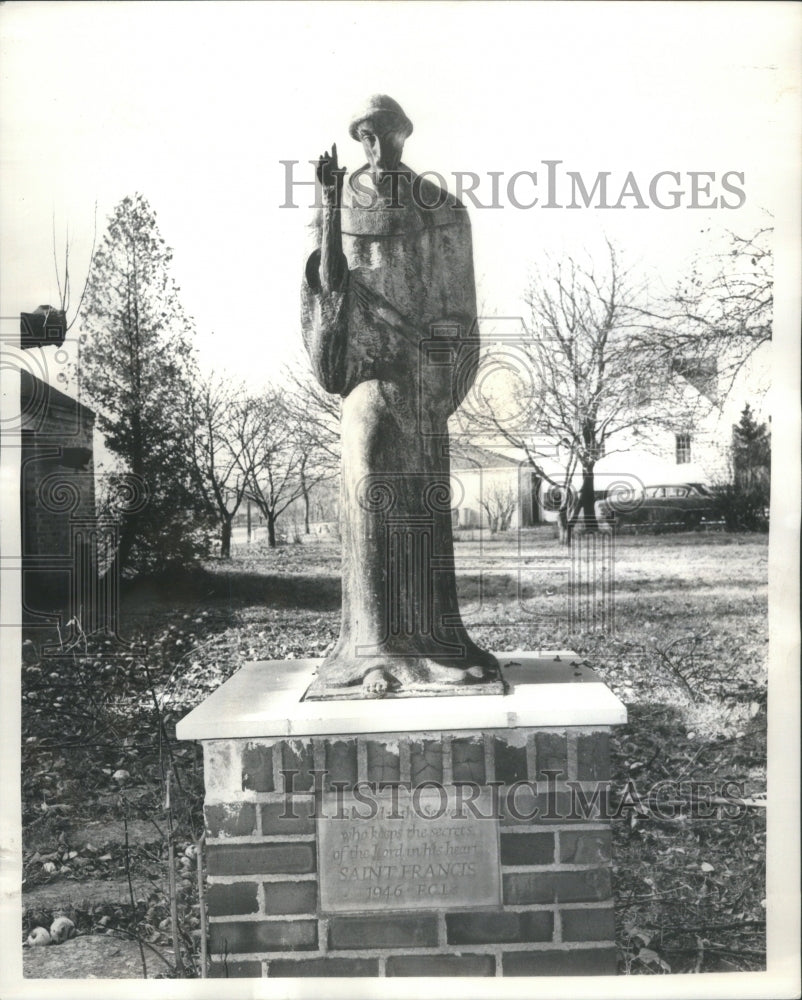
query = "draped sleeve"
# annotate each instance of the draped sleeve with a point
(324, 319)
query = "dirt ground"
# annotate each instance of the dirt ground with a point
(91, 957)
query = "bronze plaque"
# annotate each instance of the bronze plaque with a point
(403, 850)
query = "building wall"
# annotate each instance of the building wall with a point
(681, 408)
(57, 493)
(710, 438)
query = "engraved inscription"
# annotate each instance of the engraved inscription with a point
(402, 850)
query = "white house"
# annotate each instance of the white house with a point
(690, 443)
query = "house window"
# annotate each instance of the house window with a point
(683, 449)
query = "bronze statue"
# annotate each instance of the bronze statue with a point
(389, 322)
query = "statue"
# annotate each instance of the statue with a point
(388, 314)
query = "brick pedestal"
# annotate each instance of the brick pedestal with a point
(276, 768)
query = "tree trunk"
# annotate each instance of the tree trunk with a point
(271, 531)
(225, 540)
(306, 512)
(586, 512)
(564, 526)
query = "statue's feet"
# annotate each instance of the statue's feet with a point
(391, 675)
(442, 674)
(376, 683)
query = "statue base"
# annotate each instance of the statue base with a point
(460, 837)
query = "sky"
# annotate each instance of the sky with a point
(195, 106)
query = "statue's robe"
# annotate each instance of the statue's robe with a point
(397, 339)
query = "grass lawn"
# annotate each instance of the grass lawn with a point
(684, 645)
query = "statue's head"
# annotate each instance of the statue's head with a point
(382, 127)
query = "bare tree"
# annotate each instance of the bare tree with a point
(588, 379)
(315, 415)
(720, 314)
(64, 281)
(215, 413)
(499, 504)
(273, 450)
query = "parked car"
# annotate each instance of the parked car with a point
(685, 504)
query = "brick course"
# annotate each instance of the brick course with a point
(593, 757)
(323, 967)
(426, 761)
(261, 859)
(235, 820)
(587, 847)
(341, 762)
(290, 897)
(527, 848)
(588, 925)
(299, 757)
(576, 962)
(235, 970)
(468, 760)
(257, 768)
(236, 897)
(265, 935)
(551, 754)
(384, 764)
(441, 965)
(592, 885)
(489, 928)
(383, 931)
(510, 761)
(294, 815)
(525, 804)
(538, 831)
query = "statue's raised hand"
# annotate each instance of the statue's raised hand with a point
(329, 172)
(333, 265)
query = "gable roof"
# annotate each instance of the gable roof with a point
(701, 373)
(34, 393)
(471, 456)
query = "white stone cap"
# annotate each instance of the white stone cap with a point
(263, 699)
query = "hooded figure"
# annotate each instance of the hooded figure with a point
(389, 322)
